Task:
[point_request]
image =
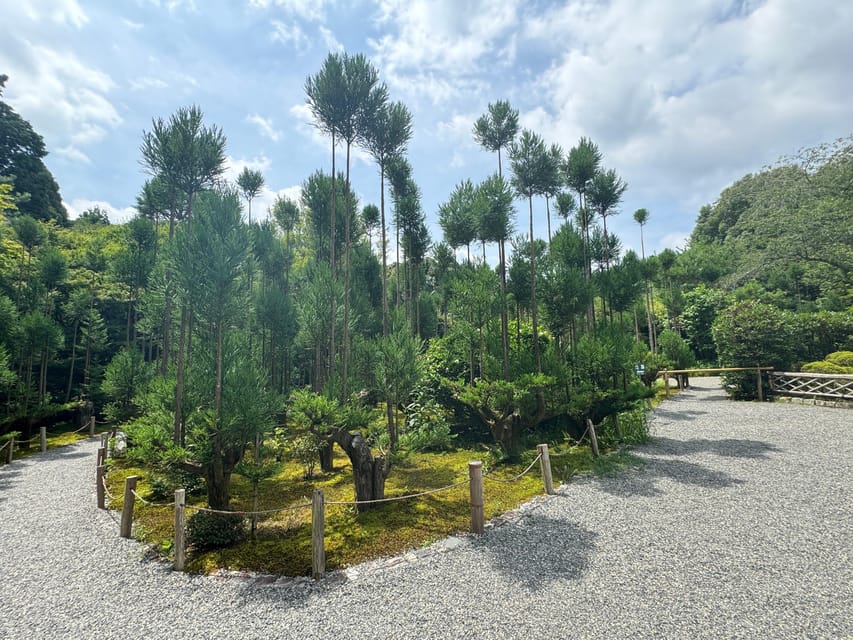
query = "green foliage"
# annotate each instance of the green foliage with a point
(125, 376)
(841, 358)
(305, 448)
(207, 530)
(675, 350)
(752, 334)
(701, 306)
(824, 366)
(427, 426)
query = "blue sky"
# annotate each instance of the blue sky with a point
(682, 97)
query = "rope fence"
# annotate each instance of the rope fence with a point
(317, 504)
(490, 478)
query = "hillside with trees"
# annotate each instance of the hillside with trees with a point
(213, 333)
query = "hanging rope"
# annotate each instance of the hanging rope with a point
(514, 478)
(398, 498)
(151, 504)
(247, 514)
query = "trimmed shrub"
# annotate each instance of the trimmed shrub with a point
(752, 334)
(841, 358)
(823, 366)
(207, 530)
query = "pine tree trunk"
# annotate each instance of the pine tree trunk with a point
(345, 358)
(73, 361)
(536, 353)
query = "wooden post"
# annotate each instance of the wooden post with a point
(318, 534)
(666, 383)
(180, 547)
(102, 456)
(99, 478)
(43, 432)
(760, 387)
(545, 466)
(475, 475)
(11, 450)
(92, 427)
(127, 507)
(593, 439)
(105, 440)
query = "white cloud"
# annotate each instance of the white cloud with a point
(73, 155)
(288, 34)
(436, 50)
(313, 10)
(58, 11)
(130, 24)
(115, 214)
(683, 97)
(674, 241)
(65, 99)
(148, 82)
(329, 39)
(265, 127)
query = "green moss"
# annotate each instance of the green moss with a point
(283, 540)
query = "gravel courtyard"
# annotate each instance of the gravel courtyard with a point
(738, 525)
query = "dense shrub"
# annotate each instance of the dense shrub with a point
(751, 334)
(841, 358)
(427, 427)
(824, 366)
(206, 530)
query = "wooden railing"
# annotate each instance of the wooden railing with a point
(707, 372)
(813, 385)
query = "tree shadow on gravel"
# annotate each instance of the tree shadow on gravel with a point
(644, 482)
(727, 447)
(537, 550)
(677, 416)
(6, 474)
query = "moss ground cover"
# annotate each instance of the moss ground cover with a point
(282, 542)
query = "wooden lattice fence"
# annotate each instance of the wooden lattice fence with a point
(812, 385)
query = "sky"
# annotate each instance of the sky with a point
(682, 98)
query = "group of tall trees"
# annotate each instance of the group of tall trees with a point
(204, 324)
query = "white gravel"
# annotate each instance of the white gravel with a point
(739, 525)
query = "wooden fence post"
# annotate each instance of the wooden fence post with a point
(475, 475)
(127, 507)
(666, 383)
(318, 534)
(545, 466)
(760, 386)
(11, 450)
(180, 545)
(593, 439)
(99, 478)
(102, 456)
(43, 433)
(92, 427)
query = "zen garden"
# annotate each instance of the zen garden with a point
(247, 366)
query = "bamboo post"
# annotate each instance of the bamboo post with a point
(180, 545)
(666, 383)
(475, 475)
(593, 439)
(92, 426)
(11, 450)
(127, 507)
(760, 387)
(318, 534)
(99, 488)
(545, 466)
(43, 433)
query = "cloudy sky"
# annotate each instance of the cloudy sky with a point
(682, 97)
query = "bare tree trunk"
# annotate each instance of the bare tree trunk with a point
(178, 424)
(536, 353)
(73, 361)
(345, 358)
(384, 251)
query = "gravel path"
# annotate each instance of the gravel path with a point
(736, 526)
